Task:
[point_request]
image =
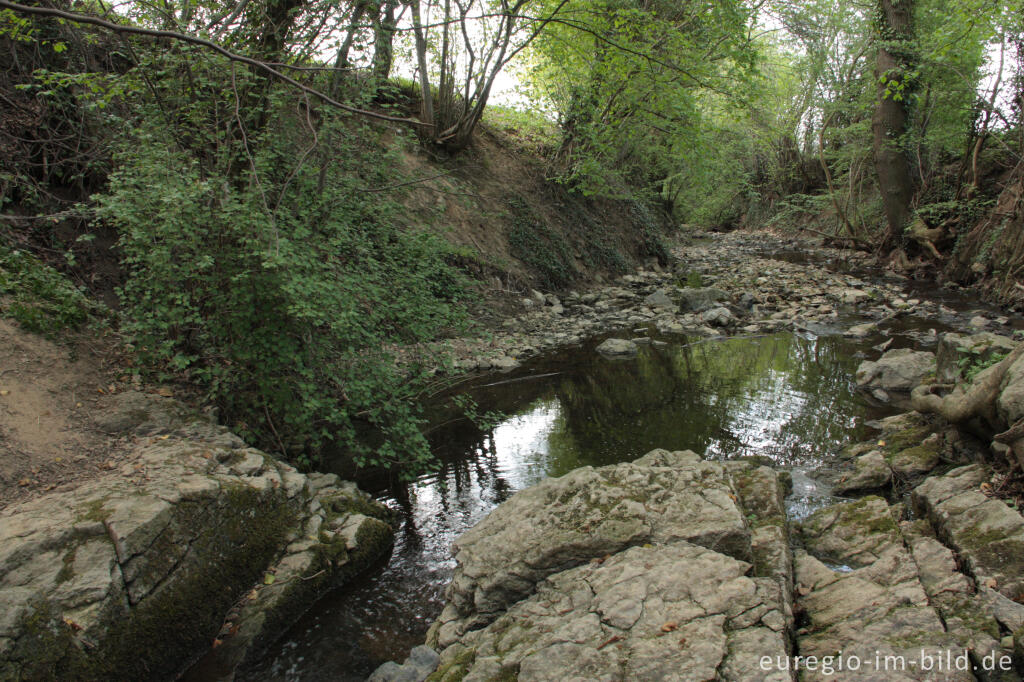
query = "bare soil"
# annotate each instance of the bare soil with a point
(47, 393)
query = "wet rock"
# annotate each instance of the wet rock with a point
(897, 370)
(871, 473)
(860, 331)
(618, 347)
(420, 664)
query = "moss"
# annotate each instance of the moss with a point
(94, 511)
(907, 438)
(233, 541)
(67, 571)
(861, 513)
(341, 505)
(456, 669)
(963, 611)
(510, 674)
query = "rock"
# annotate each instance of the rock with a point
(618, 347)
(955, 349)
(853, 296)
(659, 299)
(631, 617)
(897, 370)
(854, 533)
(1010, 403)
(871, 473)
(699, 299)
(718, 317)
(588, 513)
(979, 322)
(504, 363)
(860, 331)
(880, 608)
(131, 578)
(537, 297)
(420, 664)
(988, 535)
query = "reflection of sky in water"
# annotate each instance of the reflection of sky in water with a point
(785, 397)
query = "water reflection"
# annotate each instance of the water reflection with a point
(786, 397)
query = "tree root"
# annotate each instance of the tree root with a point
(960, 405)
(978, 400)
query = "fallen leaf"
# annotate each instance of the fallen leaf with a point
(71, 624)
(5, 392)
(682, 641)
(991, 583)
(25, 482)
(670, 626)
(881, 443)
(269, 579)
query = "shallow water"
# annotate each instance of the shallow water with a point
(786, 397)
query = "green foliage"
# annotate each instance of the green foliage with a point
(280, 297)
(38, 297)
(975, 361)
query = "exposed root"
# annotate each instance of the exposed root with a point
(961, 405)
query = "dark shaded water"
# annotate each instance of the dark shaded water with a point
(785, 397)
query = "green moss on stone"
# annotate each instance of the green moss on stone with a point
(456, 669)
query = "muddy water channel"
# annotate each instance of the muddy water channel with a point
(787, 397)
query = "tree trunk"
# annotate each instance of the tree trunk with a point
(427, 105)
(384, 27)
(889, 123)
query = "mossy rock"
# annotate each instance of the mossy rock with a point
(157, 637)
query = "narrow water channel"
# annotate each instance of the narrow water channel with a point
(785, 397)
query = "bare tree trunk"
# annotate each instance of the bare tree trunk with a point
(889, 123)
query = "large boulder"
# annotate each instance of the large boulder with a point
(667, 567)
(897, 370)
(588, 513)
(131, 575)
(678, 613)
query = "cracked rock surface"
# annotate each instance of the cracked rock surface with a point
(668, 567)
(134, 575)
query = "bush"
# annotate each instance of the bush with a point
(38, 297)
(280, 299)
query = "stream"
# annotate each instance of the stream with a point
(786, 397)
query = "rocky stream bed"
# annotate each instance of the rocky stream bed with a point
(670, 565)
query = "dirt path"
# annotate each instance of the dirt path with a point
(47, 393)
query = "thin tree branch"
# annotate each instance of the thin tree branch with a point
(184, 37)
